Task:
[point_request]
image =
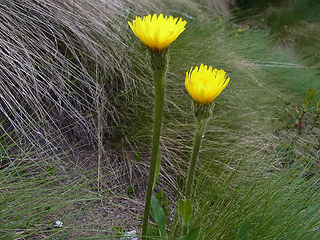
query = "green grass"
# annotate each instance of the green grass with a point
(239, 138)
(294, 24)
(37, 191)
(108, 93)
(278, 206)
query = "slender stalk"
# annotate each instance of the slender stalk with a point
(195, 151)
(201, 123)
(159, 99)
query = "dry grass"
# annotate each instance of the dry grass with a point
(66, 83)
(63, 63)
(67, 75)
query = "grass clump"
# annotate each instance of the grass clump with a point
(281, 205)
(73, 75)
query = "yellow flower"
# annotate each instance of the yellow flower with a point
(157, 32)
(205, 84)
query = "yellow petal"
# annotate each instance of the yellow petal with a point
(157, 32)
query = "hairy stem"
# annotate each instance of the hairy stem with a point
(201, 123)
(159, 72)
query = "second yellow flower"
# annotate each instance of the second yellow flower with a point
(205, 84)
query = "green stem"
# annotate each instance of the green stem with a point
(201, 123)
(159, 99)
(195, 151)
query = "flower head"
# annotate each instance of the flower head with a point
(157, 32)
(205, 84)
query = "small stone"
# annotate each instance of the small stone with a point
(132, 235)
(58, 224)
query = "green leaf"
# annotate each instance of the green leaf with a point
(192, 234)
(157, 172)
(164, 202)
(243, 232)
(185, 210)
(158, 215)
